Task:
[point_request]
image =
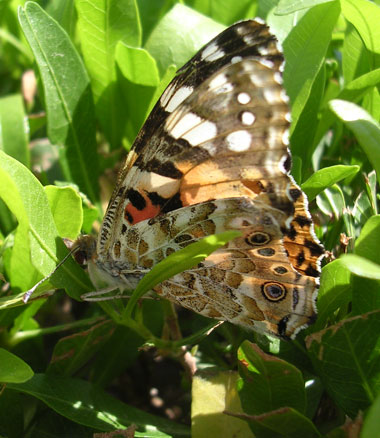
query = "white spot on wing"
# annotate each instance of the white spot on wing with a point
(171, 102)
(163, 185)
(212, 52)
(236, 59)
(259, 20)
(247, 118)
(220, 84)
(285, 137)
(278, 78)
(203, 132)
(284, 96)
(184, 124)
(243, 98)
(267, 63)
(238, 141)
(270, 95)
(257, 80)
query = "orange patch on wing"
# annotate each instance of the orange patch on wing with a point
(141, 215)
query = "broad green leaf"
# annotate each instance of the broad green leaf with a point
(366, 295)
(65, 203)
(367, 243)
(361, 266)
(225, 11)
(334, 293)
(120, 352)
(177, 262)
(213, 393)
(346, 356)
(65, 14)
(13, 369)
(137, 65)
(365, 16)
(364, 127)
(86, 404)
(306, 46)
(72, 352)
(370, 426)
(286, 7)
(355, 89)
(283, 422)
(101, 24)
(326, 177)
(267, 382)
(195, 31)
(68, 99)
(26, 198)
(13, 130)
(302, 139)
(355, 59)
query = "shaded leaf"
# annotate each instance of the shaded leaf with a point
(346, 356)
(68, 98)
(267, 382)
(13, 369)
(86, 404)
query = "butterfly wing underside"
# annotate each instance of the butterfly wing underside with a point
(213, 156)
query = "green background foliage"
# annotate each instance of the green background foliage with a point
(77, 80)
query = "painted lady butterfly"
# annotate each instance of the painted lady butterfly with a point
(212, 157)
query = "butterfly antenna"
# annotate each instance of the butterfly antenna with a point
(29, 292)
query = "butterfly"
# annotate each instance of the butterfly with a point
(212, 156)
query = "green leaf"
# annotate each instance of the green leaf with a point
(13, 369)
(283, 422)
(367, 243)
(84, 403)
(366, 295)
(326, 177)
(306, 45)
(267, 382)
(26, 198)
(364, 127)
(370, 426)
(195, 31)
(101, 24)
(13, 136)
(214, 392)
(286, 7)
(305, 129)
(361, 266)
(137, 65)
(177, 262)
(347, 358)
(332, 201)
(68, 99)
(72, 352)
(334, 293)
(365, 16)
(65, 203)
(355, 59)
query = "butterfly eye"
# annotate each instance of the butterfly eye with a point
(273, 291)
(258, 238)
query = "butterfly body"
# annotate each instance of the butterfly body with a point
(211, 157)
